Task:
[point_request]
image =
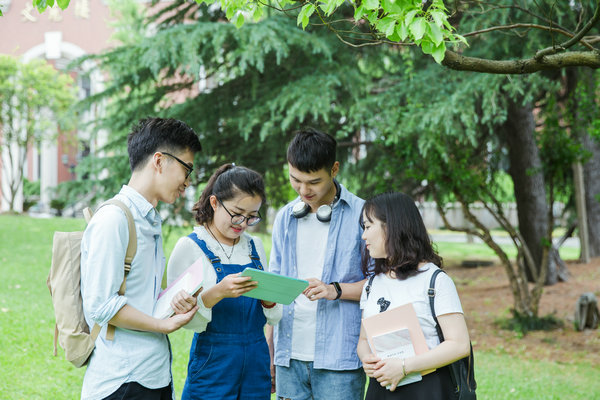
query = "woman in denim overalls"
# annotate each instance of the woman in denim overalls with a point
(229, 357)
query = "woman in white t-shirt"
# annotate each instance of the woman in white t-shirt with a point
(399, 253)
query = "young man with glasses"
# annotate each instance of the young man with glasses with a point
(317, 237)
(229, 358)
(134, 360)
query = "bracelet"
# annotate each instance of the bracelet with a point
(403, 367)
(266, 306)
(338, 289)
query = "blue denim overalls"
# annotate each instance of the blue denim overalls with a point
(230, 360)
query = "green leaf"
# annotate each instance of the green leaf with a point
(418, 27)
(258, 13)
(395, 37)
(427, 47)
(304, 15)
(386, 26)
(63, 4)
(359, 12)
(371, 4)
(239, 20)
(372, 16)
(435, 33)
(439, 17)
(402, 31)
(331, 5)
(0, 13)
(439, 53)
(42, 4)
(408, 19)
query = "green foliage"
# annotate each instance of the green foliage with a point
(263, 82)
(31, 188)
(35, 101)
(522, 324)
(128, 21)
(41, 5)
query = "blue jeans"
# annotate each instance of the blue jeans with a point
(300, 381)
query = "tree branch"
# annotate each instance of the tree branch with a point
(527, 26)
(575, 39)
(458, 62)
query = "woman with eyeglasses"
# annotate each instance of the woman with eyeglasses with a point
(229, 357)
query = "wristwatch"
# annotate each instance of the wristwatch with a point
(338, 289)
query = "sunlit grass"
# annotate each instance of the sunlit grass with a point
(30, 372)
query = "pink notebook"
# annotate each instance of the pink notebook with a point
(395, 319)
(190, 281)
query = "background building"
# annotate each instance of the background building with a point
(59, 37)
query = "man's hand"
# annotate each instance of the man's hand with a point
(319, 290)
(176, 321)
(183, 302)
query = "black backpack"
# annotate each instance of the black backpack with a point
(462, 372)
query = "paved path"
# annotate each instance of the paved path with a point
(458, 237)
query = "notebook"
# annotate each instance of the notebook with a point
(190, 281)
(273, 287)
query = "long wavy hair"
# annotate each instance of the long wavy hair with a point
(406, 240)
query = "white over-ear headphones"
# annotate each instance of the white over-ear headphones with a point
(301, 209)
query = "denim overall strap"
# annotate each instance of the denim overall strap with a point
(230, 359)
(216, 261)
(254, 256)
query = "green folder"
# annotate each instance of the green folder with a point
(273, 287)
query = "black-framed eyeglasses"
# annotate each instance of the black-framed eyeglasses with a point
(180, 161)
(238, 219)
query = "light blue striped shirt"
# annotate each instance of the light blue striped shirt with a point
(338, 321)
(133, 356)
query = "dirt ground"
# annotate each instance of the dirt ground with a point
(486, 297)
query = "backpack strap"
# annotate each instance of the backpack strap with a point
(368, 288)
(431, 294)
(132, 245)
(129, 255)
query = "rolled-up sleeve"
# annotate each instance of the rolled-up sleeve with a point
(102, 271)
(184, 254)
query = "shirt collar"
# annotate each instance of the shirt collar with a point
(143, 206)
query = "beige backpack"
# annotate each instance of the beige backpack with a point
(64, 281)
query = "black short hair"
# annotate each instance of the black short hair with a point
(311, 150)
(225, 183)
(407, 242)
(150, 135)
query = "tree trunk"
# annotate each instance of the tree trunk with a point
(585, 106)
(591, 177)
(528, 179)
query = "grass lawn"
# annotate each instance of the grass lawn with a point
(29, 371)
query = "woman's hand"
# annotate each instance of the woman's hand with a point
(234, 285)
(389, 372)
(369, 362)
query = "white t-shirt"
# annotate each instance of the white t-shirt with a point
(413, 290)
(187, 251)
(311, 243)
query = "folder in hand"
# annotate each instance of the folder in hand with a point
(273, 287)
(396, 319)
(190, 281)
